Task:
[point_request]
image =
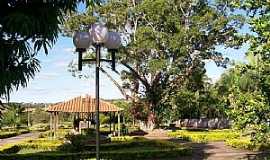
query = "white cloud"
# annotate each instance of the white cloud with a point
(61, 63)
(69, 49)
(47, 76)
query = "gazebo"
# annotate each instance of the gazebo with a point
(81, 106)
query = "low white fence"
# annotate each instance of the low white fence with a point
(215, 123)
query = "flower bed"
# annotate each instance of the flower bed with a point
(245, 143)
(204, 136)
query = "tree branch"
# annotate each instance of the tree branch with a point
(143, 80)
(116, 84)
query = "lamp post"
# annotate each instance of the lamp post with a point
(97, 36)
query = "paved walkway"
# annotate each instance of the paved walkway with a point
(211, 150)
(18, 138)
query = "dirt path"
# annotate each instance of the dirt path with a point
(18, 138)
(211, 150)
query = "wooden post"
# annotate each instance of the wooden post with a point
(124, 121)
(133, 121)
(88, 120)
(113, 122)
(110, 122)
(51, 124)
(28, 117)
(57, 120)
(54, 124)
(119, 126)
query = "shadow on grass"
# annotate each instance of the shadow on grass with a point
(198, 149)
(202, 151)
(259, 156)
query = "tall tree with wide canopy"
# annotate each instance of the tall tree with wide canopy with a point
(26, 27)
(167, 45)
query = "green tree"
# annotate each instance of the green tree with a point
(126, 113)
(247, 85)
(166, 45)
(40, 116)
(12, 115)
(248, 95)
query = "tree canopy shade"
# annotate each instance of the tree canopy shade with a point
(26, 27)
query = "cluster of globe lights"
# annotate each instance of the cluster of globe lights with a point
(98, 35)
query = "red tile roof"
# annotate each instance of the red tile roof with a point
(83, 105)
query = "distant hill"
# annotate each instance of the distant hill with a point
(31, 105)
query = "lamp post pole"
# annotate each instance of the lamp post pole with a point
(98, 35)
(97, 101)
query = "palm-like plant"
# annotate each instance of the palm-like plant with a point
(26, 27)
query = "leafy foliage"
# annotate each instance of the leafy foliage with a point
(27, 27)
(248, 96)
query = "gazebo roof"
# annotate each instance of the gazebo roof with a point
(83, 105)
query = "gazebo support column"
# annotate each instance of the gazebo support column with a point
(113, 122)
(119, 126)
(88, 120)
(124, 121)
(54, 124)
(57, 120)
(110, 122)
(51, 123)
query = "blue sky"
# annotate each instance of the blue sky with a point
(54, 83)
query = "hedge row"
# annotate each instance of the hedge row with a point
(37, 144)
(12, 133)
(159, 144)
(112, 155)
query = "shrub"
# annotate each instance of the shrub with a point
(60, 133)
(126, 139)
(13, 149)
(78, 141)
(8, 134)
(41, 144)
(40, 127)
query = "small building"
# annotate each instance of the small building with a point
(83, 107)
